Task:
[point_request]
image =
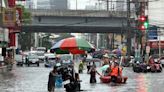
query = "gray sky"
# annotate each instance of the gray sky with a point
(156, 12)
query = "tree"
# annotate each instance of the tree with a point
(25, 39)
(26, 15)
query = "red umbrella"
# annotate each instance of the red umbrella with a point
(72, 45)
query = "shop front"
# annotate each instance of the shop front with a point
(157, 47)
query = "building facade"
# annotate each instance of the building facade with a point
(59, 4)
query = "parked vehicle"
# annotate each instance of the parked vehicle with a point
(33, 59)
(143, 67)
(66, 59)
(140, 67)
(50, 60)
(19, 59)
(161, 60)
(156, 67)
(40, 52)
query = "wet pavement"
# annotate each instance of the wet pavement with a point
(34, 79)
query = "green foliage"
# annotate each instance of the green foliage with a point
(26, 40)
(26, 15)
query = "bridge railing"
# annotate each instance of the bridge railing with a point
(78, 13)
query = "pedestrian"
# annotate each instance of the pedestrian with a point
(51, 80)
(26, 59)
(77, 82)
(88, 66)
(106, 60)
(81, 67)
(93, 64)
(93, 72)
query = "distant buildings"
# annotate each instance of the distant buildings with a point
(47, 4)
(59, 4)
(43, 4)
(121, 5)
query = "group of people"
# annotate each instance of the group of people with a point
(63, 73)
(114, 70)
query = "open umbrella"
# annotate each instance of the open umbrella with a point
(72, 45)
(117, 51)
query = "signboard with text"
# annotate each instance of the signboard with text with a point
(9, 17)
(155, 44)
(152, 33)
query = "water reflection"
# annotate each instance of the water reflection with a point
(34, 79)
(141, 83)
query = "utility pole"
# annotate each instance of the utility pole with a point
(128, 34)
(107, 5)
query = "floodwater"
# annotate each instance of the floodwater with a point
(34, 79)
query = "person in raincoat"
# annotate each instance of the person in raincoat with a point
(81, 67)
(116, 73)
(51, 80)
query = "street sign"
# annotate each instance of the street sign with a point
(147, 49)
(152, 33)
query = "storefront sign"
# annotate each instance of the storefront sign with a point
(152, 33)
(155, 44)
(9, 17)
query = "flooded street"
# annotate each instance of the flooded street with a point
(34, 79)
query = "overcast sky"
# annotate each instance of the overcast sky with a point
(156, 12)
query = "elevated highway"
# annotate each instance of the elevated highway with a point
(77, 21)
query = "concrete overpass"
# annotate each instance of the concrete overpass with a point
(77, 21)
